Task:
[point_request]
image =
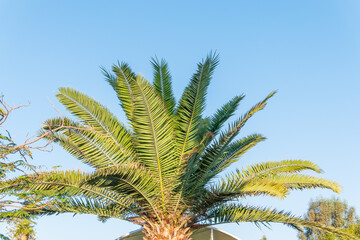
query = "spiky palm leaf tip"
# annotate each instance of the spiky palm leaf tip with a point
(162, 172)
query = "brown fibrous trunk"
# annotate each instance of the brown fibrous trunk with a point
(24, 237)
(168, 229)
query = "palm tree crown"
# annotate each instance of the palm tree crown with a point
(162, 172)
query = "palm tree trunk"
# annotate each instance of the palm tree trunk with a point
(165, 231)
(24, 237)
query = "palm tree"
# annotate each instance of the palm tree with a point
(162, 171)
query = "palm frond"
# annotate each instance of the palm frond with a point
(234, 129)
(269, 173)
(132, 181)
(301, 182)
(77, 206)
(162, 83)
(231, 190)
(154, 135)
(209, 127)
(269, 178)
(93, 114)
(235, 150)
(64, 183)
(271, 168)
(88, 206)
(208, 168)
(236, 213)
(89, 146)
(122, 86)
(223, 114)
(109, 77)
(192, 104)
(213, 154)
(226, 192)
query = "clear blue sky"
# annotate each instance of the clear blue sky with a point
(308, 50)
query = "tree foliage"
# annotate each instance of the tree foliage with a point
(162, 169)
(22, 229)
(13, 159)
(331, 212)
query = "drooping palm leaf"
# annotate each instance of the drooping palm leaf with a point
(269, 178)
(235, 213)
(99, 117)
(91, 147)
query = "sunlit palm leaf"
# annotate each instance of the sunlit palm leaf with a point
(235, 213)
(268, 172)
(269, 178)
(91, 147)
(223, 114)
(285, 166)
(122, 86)
(300, 181)
(89, 206)
(236, 149)
(97, 116)
(131, 181)
(154, 135)
(84, 206)
(65, 183)
(162, 83)
(215, 151)
(192, 104)
(209, 127)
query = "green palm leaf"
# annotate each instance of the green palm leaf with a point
(209, 168)
(285, 166)
(234, 129)
(212, 156)
(122, 86)
(88, 206)
(91, 147)
(235, 150)
(192, 104)
(130, 181)
(300, 181)
(162, 83)
(271, 172)
(93, 114)
(64, 183)
(154, 135)
(223, 114)
(269, 178)
(210, 127)
(232, 213)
